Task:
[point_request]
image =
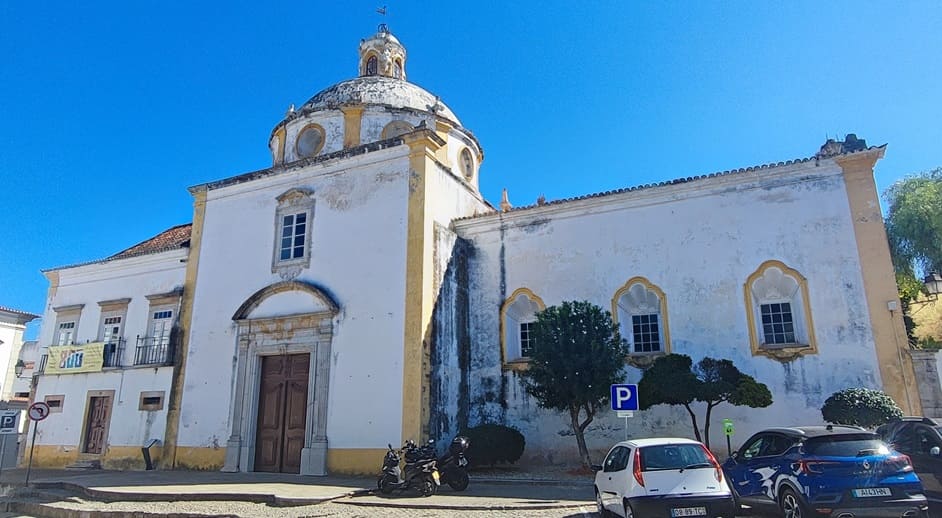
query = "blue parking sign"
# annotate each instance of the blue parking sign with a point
(625, 397)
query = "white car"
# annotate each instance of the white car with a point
(662, 477)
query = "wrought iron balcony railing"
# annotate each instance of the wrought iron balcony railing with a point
(113, 352)
(153, 350)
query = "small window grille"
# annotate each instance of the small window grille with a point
(372, 65)
(777, 323)
(526, 339)
(647, 336)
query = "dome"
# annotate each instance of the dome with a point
(379, 90)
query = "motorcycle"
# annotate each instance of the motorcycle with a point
(453, 464)
(420, 471)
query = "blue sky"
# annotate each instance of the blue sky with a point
(108, 111)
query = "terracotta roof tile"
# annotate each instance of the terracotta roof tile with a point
(176, 237)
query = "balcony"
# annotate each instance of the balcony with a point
(113, 352)
(153, 350)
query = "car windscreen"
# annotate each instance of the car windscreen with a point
(846, 445)
(674, 456)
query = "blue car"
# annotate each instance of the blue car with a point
(825, 471)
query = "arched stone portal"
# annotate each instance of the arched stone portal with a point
(290, 320)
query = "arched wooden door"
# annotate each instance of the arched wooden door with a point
(282, 413)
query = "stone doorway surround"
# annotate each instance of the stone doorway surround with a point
(308, 332)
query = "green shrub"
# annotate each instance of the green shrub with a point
(493, 443)
(860, 407)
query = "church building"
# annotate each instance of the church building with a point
(361, 291)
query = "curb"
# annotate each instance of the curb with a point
(47, 511)
(256, 498)
(455, 507)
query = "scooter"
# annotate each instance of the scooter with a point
(420, 472)
(453, 464)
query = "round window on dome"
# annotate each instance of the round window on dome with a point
(466, 162)
(396, 128)
(310, 141)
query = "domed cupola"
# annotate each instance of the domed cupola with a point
(382, 55)
(379, 104)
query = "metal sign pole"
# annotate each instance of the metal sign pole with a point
(31, 446)
(3, 445)
(626, 428)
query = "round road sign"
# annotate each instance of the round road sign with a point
(38, 411)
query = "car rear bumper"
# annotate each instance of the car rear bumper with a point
(911, 507)
(660, 506)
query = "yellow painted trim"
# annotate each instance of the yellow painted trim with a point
(281, 135)
(879, 282)
(200, 458)
(518, 363)
(355, 461)
(779, 353)
(320, 147)
(419, 296)
(128, 457)
(175, 400)
(50, 456)
(442, 129)
(665, 328)
(352, 123)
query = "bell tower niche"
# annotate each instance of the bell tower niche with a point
(382, 55)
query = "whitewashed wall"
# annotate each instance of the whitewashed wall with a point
(357, 254)
(133, 278)
(698, 241)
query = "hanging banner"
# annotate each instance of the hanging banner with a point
(74, 359)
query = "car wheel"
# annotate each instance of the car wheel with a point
(598, 503)
(791, 505)
(628, 512)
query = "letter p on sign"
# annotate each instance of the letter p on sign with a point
(625, 397)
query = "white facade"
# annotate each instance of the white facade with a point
(134, 381)
(699, 242)
(12, 325)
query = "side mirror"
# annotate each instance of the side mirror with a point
(734, 456)
(934, 451)
(595, 467)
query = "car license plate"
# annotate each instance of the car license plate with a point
(872, 491)
(688, 511)
(436, 477)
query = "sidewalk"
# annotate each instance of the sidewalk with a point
(489, 490)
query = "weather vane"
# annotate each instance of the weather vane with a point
(382, 25)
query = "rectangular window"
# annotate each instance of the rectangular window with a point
(66, 333)
(160, 327)
(777, 324)
(526, 339)
(293, 230)
(55, 403)
(151, 400)
(111, 330)
(646, 334)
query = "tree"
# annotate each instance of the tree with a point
(914, 223)
(674, 380)
(578, 355)
(860, 407)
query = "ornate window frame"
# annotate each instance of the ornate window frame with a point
(643, 359)
(514, 312)
(291, 202)
(775, 282)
